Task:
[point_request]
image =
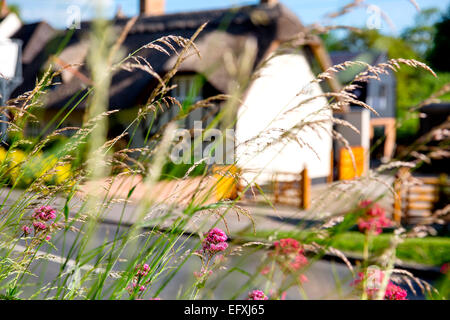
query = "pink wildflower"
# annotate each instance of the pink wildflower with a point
(299, 261)
(257, 295)
(39, 225)
(215, 241)
(373, 283)
(365, 203)
(394, 292)
(26, 230)
(302, 278)
(374, 218)
(44, 213)
(289, 254)
(48, 238)
(202, 273)
(287, 246)
(142, 271)
(133, 287)
(265, 270)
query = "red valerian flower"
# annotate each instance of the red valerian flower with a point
(215, 241)
(374, 218)
(26, 230)
(289, 256)
(257, 295)
(44, 213)
(142, 271)
(394, 292)
(373, 284)
(287, 246)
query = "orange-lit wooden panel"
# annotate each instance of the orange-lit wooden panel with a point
(346, 168)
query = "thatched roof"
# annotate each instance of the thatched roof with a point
(227, 29)
(34, 37)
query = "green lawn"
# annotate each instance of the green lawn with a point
(433, 251)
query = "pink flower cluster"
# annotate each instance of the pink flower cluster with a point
(290, 251)
(214, 242)
(374, 218)
(41, 216)
(394, 292)
(202, 273)
(257, 295)
(289, 255)
(26, 230)
(373, 283)
(44, 213)
(142, 271)
(287, 246)
(136, 285)
(133, 287)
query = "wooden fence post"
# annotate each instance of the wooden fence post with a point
(397, 201)
(401, 174)
(330, 177)
(276, 188)
(305, 189)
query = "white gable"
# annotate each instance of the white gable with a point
(9, 54)
(278, 89)
(9, 26)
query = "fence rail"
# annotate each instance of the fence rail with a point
(416, 198)
(283, 188)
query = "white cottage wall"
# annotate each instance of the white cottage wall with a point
(283, 84)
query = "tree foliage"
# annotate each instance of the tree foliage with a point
(418, 42)
(440, 50)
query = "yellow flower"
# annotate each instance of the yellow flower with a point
(62, 173)
(15, 159)
(2, 154)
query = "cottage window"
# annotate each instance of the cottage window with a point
(383, 97)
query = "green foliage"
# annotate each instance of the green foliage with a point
(20, 169)
(420, 35)
(171, 170)
(438, 55)
(416, 42)
(14, 9)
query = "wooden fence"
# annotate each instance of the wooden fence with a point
(417, 198)
(283, 188)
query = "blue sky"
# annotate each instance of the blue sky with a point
(401, 12)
